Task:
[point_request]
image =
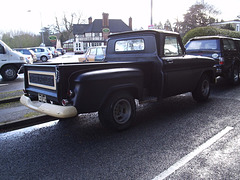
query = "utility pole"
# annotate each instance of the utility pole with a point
(151, 12)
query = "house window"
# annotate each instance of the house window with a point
(237, 28)
(88, 34)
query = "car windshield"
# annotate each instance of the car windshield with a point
(204, 44)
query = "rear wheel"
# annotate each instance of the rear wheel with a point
(9, 73)
(118, 112)
(234, 76)
(44, 58)
(202, 91)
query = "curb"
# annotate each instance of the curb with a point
(17, 124)
(14, 99)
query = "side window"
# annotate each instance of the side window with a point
(172, 46)
(129, 45)
(229, 45)
(93, 51)
(100, 51)
(1, 49)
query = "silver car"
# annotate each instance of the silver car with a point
(42, 53)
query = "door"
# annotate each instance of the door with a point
(177, 68)
(3, 55)
(91, 56)
(230, 53)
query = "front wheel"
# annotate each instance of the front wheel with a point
(118, 112)
(202, 91)
(9, 73)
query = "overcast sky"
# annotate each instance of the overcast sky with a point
(28, 15)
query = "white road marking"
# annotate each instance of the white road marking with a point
(191, 155)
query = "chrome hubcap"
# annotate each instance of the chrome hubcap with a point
(122, 111)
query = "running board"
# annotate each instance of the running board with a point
(148, 100)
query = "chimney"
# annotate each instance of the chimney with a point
(105, 20)
(130, 23)
(90, 20)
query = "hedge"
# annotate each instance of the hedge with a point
(209, 31)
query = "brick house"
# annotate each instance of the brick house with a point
(96, 32)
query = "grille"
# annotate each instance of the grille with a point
(42, 79)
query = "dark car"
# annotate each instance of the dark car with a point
(223, 49)
(61, 50)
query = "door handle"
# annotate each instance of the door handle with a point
(169, 61)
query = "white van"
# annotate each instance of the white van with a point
(10, 62)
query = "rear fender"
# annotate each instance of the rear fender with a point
(94, 87)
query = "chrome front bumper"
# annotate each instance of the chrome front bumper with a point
(49, 109)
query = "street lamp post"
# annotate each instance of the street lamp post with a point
(151, 12)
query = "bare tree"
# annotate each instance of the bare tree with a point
(65, 26)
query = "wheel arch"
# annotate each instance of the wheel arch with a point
(130, 89)
(210, 74)
(17, 66)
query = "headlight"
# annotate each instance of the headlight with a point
(27, 60)
(22, 58)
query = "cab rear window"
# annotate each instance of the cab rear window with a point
(204, 44)
(129, 45)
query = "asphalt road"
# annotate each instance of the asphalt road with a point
(179, 139)
(17, 84)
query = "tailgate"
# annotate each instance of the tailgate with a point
(41, 81)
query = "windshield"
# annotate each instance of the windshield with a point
(204, 44)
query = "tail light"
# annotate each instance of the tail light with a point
(65, 102)
(221, 60)
(70, 93)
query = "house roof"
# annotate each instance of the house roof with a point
(227, 22)
(115, 25)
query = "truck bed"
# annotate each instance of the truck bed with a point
(54, 80)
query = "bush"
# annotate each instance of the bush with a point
(209, 31)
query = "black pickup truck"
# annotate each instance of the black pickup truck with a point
(141, 65)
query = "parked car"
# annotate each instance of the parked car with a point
(96, 53)
(61, 50)
(53, 50)
(26, 51)
(42, 53)
(223, 49)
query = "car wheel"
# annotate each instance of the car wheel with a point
(202, 91)
(9, 73)
(118, 112)
(44, 58)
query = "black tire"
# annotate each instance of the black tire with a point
(234, 76)
(202, 91)
(118, 112)
(44, 59)
(9, 73)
